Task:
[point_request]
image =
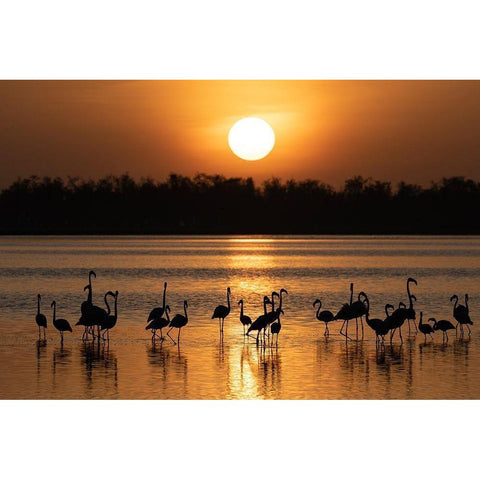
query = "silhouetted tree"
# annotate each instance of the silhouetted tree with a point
(216, 204)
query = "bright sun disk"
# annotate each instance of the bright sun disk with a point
(251, 138)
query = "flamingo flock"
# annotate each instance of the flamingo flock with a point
(265, 329)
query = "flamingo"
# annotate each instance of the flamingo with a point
(346, 314)
(40, 318)
(442, 325)
(159, 324)
(379, 326)
(425, 328)
(410, 313)
(261, 322)
(280, 304)
(111, 320)
(222, 311)
(272, 314)
(359, 309)
(244, 319)
(324, 316)
(179, 321)
(61, 324)
(158, 312)
(461, 314)
(276, 327)
(85, 306)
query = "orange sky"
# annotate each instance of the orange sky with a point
(391, 130)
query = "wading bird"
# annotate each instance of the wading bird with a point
(346, 314)
(379, 326)
(425, 328)
(261, 322)
(222, 311)
(85, 306)
(410, 313)
(61, 324)
(179, 321)
(325, 316)
(276, 327)
(159, 312)
(244, 319)
(111, 320)
(40, 318)
(159, 324)
(461, 314)
(442, 325)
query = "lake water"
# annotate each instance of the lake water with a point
(305, 365)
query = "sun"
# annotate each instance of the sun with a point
(251, 138)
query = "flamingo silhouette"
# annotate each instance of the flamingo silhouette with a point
(276, 327)
(40, 318)
(61, 324)
(425, 328)
(461, 314)
(261, 322)
(410, 313)
(346, 314)
(179, 321)
(222, 311)
(110, 320)
(359, 309)
(159, 324)
(85, 306)
(379, 326)
(324, 316)
(442, 325)
(159, 312)
(244, 319)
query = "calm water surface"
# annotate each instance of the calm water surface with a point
(304, 366)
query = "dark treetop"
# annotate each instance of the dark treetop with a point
(214, 204)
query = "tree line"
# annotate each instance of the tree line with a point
(214, 204)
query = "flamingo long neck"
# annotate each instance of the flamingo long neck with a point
(318, 310)
(368, 303)
(164, 297)
(91, 288)
(241, 308)
(185, 310)
(421, 319)
(168, 316)
(264, 306)
(106, 303)
(38, 305)
(455, 304)
(228, 300)
(409, 294)
(89, 298)
(116, 296)
(54, 311)
(273, 302)
(351, 293)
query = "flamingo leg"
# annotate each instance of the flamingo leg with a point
(361, 323)
(469, 331)
(415, 325)
(168, 333)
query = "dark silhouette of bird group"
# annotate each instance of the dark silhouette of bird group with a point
(91, 317)
(395, 318)
(98, 321)
(159, 318)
